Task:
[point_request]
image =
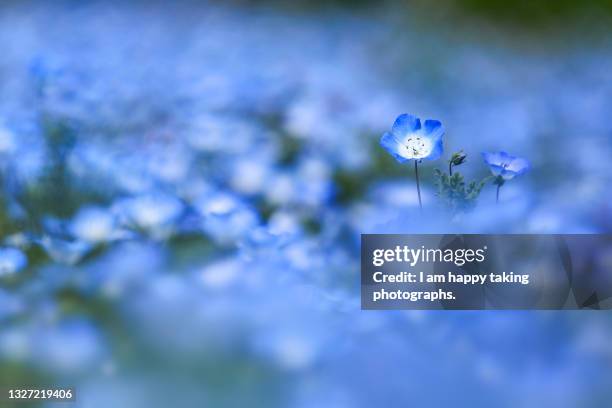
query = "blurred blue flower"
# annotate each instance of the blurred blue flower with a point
(225, 217)
(11, 260)
(93, 225)
(505, 165)
(68, 252)
(409, 140)
(155, 213)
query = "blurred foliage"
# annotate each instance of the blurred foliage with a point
(532, 12)
(454, 193)
(524, 13)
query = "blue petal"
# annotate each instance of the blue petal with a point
(508, 174)
(494, 159)
(518, 165)
(405, 124)
(437, 150)
(496, 170)
(390, 144)
(433, 129)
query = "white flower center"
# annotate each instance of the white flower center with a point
(415, 147)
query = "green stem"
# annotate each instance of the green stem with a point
(416, 172)
(497, 195)
(450, 168)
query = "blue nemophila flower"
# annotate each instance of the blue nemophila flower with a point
(153, 212)
(93, 225)
(65, 251)
(505, 167)
(11, 260)
(225, 216)
(411, 140)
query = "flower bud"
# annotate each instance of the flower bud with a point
(458, 158)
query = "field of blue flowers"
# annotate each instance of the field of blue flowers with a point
(183, 189)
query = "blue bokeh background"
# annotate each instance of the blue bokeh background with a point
(184, 187)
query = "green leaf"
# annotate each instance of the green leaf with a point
(455, 194)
